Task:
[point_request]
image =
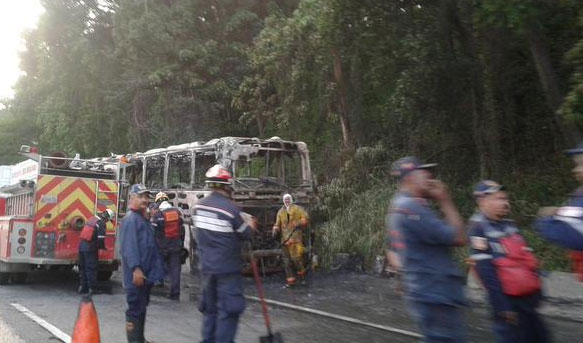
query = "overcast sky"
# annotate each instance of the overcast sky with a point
(16, 16)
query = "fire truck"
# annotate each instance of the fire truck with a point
(41, 218)
(263, 170)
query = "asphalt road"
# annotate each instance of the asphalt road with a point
(52, 297)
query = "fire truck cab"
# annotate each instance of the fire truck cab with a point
(41, 218)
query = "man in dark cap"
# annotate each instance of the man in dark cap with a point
(506, 267)
(141, 262)
(433, 282)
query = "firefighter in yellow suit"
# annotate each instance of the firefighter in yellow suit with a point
(291, 220)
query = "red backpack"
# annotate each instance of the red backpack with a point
(88, 230)
(171, 223)
(518, 270)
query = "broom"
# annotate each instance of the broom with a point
(271, 336)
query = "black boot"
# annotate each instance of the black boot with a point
(143, 328)
(134, 331)
(82, 290)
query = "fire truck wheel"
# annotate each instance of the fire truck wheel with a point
(18, 278)
(4, 277)
(104, 275)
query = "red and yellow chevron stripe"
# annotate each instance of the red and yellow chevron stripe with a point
(107, 197)
(59, 198)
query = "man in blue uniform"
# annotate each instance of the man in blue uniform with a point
(141, 262)
(564, 225)
(168, 226)
(89, 251)
(221, 228)
(506, 267)
(433, 282)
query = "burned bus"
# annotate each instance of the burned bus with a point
(263, 170)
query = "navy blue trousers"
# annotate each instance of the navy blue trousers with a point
(439, 323)
(222, 303)
(530, 327)
(138, 299)
(173, 267)
(88, 270)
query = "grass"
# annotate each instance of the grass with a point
(353, 208)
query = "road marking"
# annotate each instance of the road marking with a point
(339, 317)
(46, 325)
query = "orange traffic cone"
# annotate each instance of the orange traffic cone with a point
(87, 325)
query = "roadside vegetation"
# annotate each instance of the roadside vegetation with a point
(487, 89)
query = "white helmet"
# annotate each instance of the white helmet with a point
(218, 174)
(109, 213)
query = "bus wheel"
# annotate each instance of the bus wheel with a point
(18, 278)
(104, 275)
(4, 277)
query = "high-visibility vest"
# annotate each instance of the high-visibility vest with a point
(171, 223)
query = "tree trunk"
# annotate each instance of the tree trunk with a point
(260, 125)
(484, 129)
(342, 101)
(549, 82)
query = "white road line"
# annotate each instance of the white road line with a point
(336, 316)
(46, 325)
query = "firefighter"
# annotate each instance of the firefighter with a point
(432, 280)
(168, 226)
(564, 225)
(151, 211)
(506, 267)
(291, 220)
(141, 262)
(92, 240)
(221, 228)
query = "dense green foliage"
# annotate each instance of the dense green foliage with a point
(488, 88)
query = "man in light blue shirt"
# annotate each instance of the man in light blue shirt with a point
(433, 282)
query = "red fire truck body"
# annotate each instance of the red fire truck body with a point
(41, 219)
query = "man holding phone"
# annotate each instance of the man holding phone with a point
(433, 282)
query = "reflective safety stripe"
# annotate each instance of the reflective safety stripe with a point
(214, 221)
(207, 214)
(495, 234)
(478, 257)
(242, 228)
(213, 227)
(214, 209)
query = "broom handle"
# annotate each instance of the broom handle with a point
(260, 292)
